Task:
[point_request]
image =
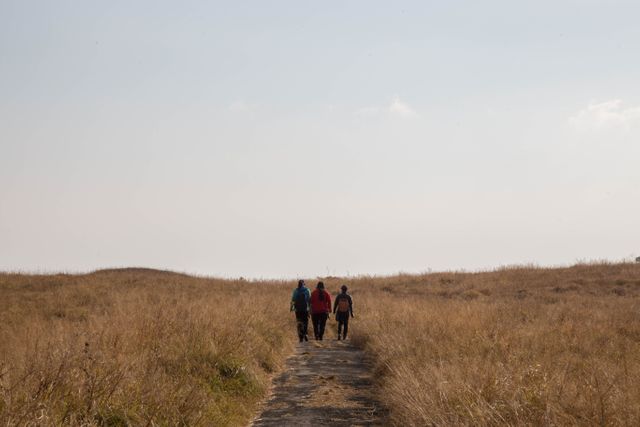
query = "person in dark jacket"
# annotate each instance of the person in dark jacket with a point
(343, 308)
(300, 304)
(320, 309)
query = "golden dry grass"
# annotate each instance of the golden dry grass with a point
(138, 347)
(518, 346)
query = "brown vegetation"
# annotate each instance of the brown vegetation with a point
(521, 346)
(137, 347)
(513, 346)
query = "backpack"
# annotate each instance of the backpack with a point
(300, 302)
(343, 304)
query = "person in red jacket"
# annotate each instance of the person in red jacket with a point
(320, 308)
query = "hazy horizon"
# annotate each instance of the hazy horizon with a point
(303, 140)
(347, 276)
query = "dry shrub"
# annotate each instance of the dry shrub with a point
(137, 347)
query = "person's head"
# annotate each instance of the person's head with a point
(344, 289)
(300, 283)
(320, 285)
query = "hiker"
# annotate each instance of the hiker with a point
(300, 304)
(344, 306)
(320, 309)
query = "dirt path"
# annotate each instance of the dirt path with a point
(324, 383)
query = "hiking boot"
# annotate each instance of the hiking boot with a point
(306, 338)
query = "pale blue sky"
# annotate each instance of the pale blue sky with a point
(284, 139)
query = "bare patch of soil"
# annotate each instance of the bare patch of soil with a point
(324, 383)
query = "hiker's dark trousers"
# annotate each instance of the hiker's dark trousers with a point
(319, 322)
(343, 321)
(302, 318)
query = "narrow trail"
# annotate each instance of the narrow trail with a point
(324, 383)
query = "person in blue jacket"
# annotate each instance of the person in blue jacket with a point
(300, 304)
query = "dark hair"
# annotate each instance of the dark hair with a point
(300, 283)
(321, 289)
(344, 288)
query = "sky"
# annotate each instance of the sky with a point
(293, 139)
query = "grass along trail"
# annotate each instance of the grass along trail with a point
(517, 346)
(324, 383)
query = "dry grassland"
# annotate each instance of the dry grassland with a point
(521, 346)
(137, 347)
(518, 346)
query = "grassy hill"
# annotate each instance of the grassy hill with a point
(137, 346)
(140, 346)
(512, 346)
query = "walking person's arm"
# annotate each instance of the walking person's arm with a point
(350, 305)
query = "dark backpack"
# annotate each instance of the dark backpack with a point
(300, 302)
(343, 303)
